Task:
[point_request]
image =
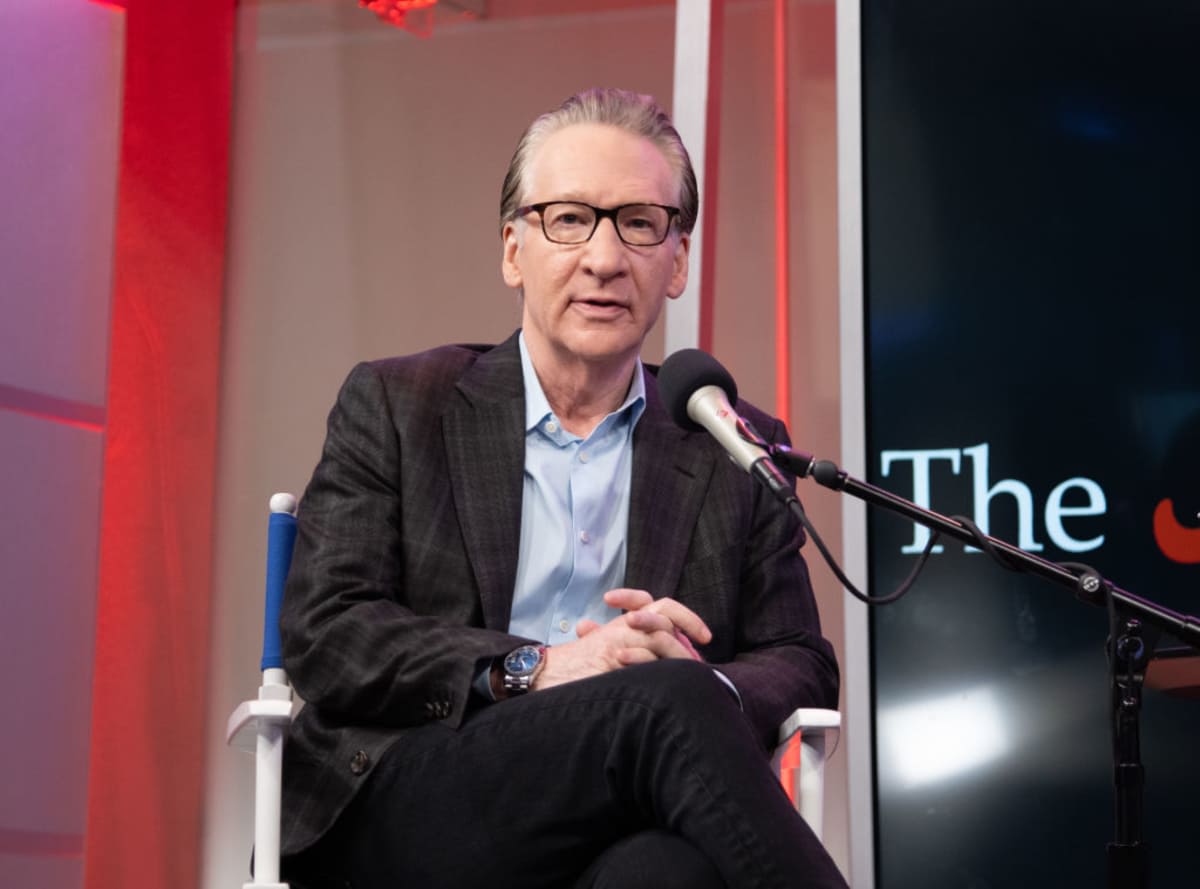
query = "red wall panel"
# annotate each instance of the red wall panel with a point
(152, 623)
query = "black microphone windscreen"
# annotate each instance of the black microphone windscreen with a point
(682, 374)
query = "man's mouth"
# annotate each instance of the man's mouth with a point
(600, 303)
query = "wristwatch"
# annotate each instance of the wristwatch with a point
(521, 665)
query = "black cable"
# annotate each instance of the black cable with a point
(1092, 588)
(840, 575)
(1005, 561)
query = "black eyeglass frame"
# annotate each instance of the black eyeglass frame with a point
(601, 214)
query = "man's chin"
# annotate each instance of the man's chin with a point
(602, 345)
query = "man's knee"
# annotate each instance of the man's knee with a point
(672, 699)
(683, 684)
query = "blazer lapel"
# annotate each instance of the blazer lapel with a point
(669, 482)
(484, 435)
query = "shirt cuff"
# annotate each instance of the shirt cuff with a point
(482, 684)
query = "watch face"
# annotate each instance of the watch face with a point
(522, 661)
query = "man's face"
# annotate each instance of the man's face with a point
(594, 301)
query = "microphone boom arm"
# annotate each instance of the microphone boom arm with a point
(1088, 587)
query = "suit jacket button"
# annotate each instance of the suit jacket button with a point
(359, 762)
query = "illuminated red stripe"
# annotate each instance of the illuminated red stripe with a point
(783, 348)
(149, 729)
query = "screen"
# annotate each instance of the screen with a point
(1032, 225)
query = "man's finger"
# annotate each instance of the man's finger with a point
(627, 599)
(671, 644)
(683, 618)
(629, 656)
(585, 626)
(649, 621)
(680, 615)
(687, 643)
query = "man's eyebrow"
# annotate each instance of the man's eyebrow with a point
(575, 197)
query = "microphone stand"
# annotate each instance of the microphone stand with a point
(1134, 627)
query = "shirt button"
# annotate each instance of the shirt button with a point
(584, 537)
(551, 426)
(563, 626)
(583, 457)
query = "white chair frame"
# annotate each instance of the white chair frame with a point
(260, 726)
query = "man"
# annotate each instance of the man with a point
(511, 567)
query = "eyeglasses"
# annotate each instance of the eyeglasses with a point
(570, 222)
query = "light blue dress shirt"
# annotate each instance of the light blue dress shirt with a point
(574, 514)
(574, 518)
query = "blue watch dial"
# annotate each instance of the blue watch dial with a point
(523, 660)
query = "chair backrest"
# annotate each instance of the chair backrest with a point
(281, 540)
(260, 725)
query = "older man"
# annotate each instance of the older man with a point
(545, 636)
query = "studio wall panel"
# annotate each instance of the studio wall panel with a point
(60, 90)
(40, 873)
(50, 477)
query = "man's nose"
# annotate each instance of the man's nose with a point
(605, 255)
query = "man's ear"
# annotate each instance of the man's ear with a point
(679, 273)
(510, 266)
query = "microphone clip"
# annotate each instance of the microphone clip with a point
(799, 463)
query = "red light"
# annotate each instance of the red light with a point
(395, 12)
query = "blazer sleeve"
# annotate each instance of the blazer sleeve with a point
(778, 659)
(354, 646)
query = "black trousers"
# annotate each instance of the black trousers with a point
(645, 777)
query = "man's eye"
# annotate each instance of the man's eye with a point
(567, 218)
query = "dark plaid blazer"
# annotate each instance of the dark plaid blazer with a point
(406, 557)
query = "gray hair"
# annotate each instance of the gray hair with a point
(633, 112)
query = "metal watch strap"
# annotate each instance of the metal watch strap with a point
(515, 684)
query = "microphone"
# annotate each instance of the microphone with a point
(698, 392)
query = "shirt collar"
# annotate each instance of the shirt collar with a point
(537, 406)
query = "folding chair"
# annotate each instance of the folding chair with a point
(806, 738)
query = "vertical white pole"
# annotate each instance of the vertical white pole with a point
(267, 793)
(856, 669)
(695, 75)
